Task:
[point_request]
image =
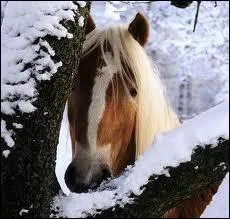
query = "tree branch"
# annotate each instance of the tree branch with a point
(196, 16)
(206, 169)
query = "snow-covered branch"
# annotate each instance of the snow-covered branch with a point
(205, 171)
(186, 159)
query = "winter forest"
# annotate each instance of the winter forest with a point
(42, 45)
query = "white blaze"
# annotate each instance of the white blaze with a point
(97, 106)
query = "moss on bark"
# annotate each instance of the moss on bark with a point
(163, 193)
(27, 175)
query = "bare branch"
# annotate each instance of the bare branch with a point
(196, 16)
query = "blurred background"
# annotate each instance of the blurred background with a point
(194, 66)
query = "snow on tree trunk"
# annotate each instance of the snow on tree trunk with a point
(41, 45)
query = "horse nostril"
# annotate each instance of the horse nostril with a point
(70, 176)
(106, 173)
(73, 180)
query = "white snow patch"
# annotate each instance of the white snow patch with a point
(23, 211)
(47, 45)
(180, 142)
(219, 206)
(81, 21)
(222, 164)
(6, 153)
(26, 106)
(111, 12)
(18, 126)
(6, 135)
(167, 174)
(82, 3)
(64, 152)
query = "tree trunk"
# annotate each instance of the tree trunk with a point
(202, 174)
(28, 173)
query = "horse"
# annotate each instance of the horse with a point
(117, 106)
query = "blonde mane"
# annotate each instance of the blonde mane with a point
(154, 114)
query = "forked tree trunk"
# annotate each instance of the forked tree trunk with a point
(28, 173)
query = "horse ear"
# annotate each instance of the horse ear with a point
(90, 25)
(139, 29)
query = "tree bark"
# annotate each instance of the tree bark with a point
(206, 170)
(28, 173)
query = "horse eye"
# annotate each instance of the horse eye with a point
(133, 92)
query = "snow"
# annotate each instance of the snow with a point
(26, 106)
(110, 12)
(6, 153)
(219, 206)
(46, 44)
(24, 58)
(6, 134)
(82, 3)
(64, 152)
(23, 211)
(3, 6)
(180, 142)
(18, 126)
(81, 21)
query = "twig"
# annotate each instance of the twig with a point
(196, 17)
